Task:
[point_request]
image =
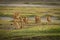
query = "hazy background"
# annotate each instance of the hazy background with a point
(26, 1)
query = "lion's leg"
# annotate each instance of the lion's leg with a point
(16, 24)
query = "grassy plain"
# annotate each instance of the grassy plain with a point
(31, 31)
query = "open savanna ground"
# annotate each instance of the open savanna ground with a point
(7, 11)
(39, 32)
(30, 31)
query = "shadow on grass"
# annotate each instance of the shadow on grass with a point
(34, 38)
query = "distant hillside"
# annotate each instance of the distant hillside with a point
(48, 2)
(29, 0)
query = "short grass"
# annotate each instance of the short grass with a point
(27, 11)
(42, 30)
(28, 32)
(38, 30)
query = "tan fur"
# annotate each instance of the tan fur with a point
(37, 19)
(16, 20)
(48, 19)
(25, 20)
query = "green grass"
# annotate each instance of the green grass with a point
(25, 11)
(17, 34)
(43, 30)
(39, 30)
(33, 31)
(44, 3)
